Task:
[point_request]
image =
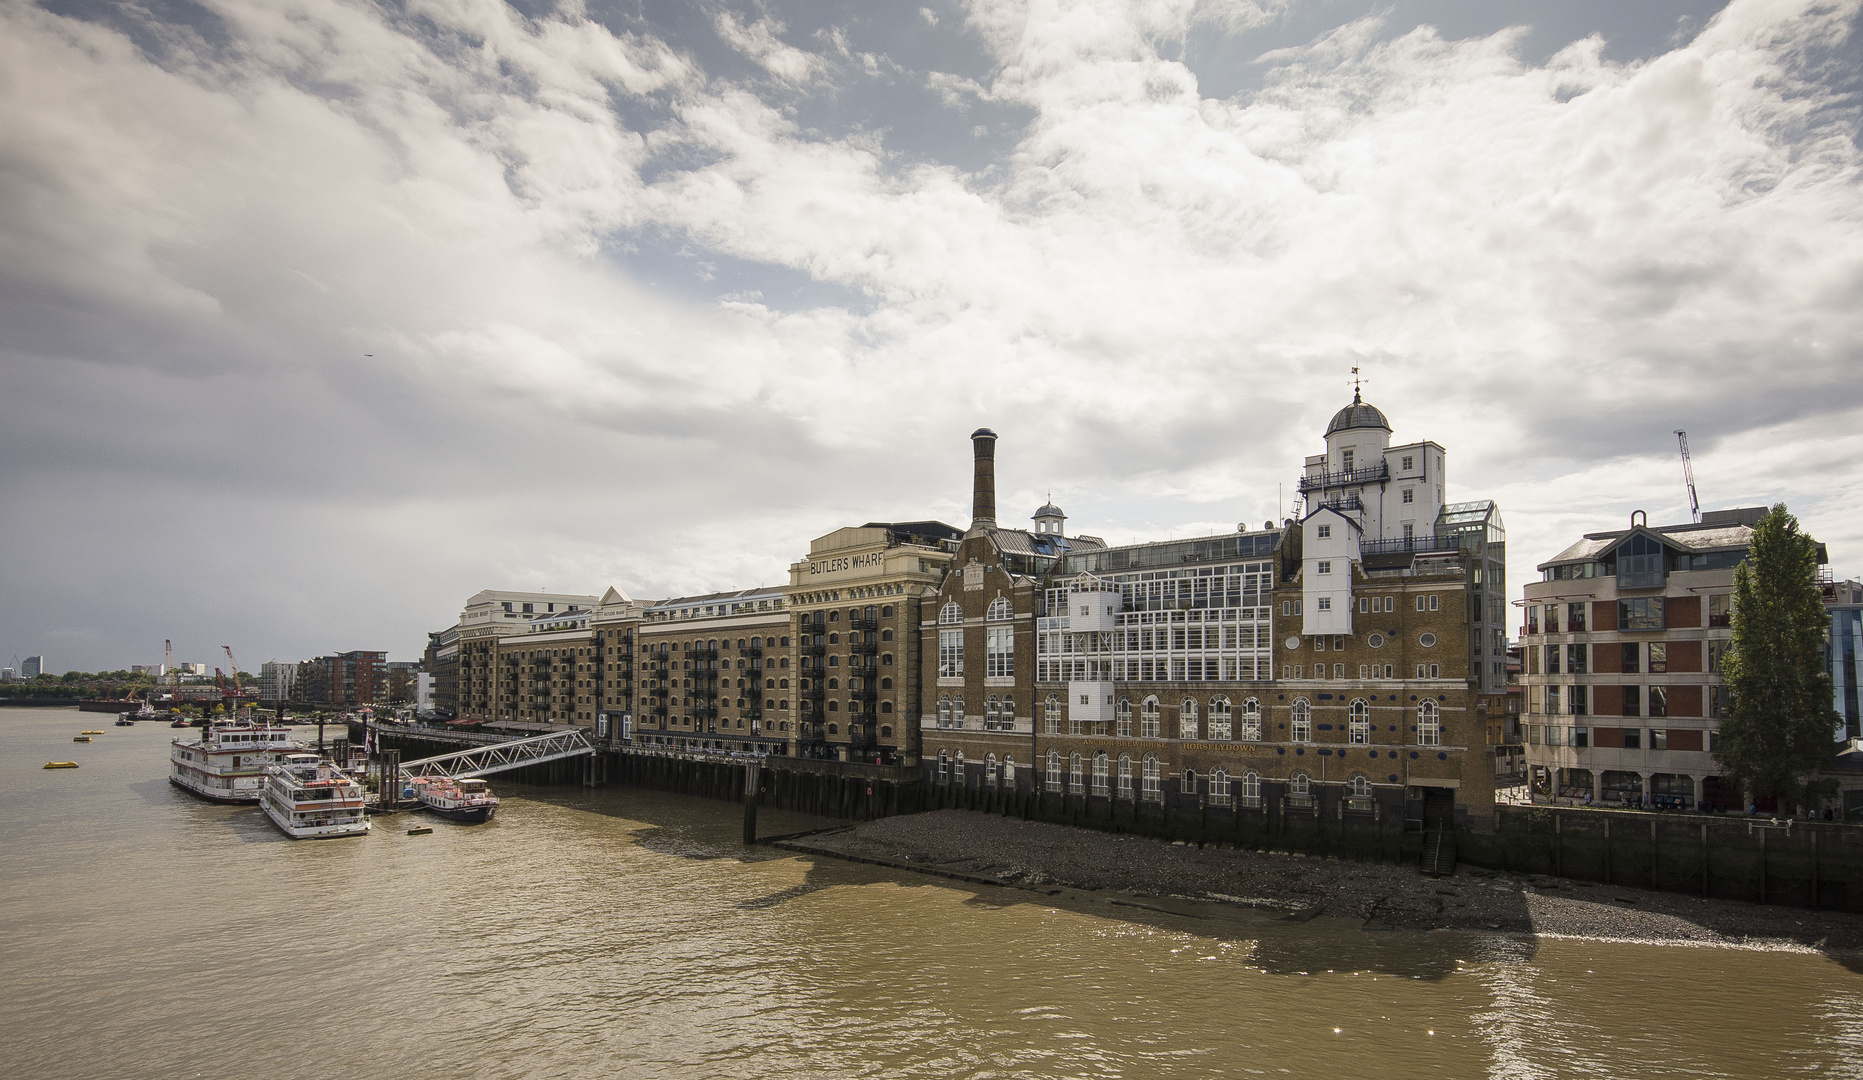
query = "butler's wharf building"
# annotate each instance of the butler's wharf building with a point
(703, 669)
(977, 639)
(854, 604)
(1622, 644)
(1312, 668)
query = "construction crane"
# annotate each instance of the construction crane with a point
(234, 666)
(1688, 474)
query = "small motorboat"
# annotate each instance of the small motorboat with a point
(468, 801)
(181, 724)
(125, 720)
(61, 764)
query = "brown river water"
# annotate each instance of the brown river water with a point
(614, 932)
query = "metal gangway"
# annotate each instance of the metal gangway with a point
(515, 754)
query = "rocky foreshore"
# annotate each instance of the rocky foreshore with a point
(984, 848)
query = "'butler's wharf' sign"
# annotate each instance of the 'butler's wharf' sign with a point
(871, 562)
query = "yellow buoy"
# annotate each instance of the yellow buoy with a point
(90, 733)
(61, 764)
(421, 831)
(82, 738)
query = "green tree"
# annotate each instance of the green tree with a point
(1782, 723)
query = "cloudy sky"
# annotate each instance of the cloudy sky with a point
(317, 316)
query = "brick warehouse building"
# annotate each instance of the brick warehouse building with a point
(1305, 670)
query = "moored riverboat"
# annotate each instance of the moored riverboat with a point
(227, 764)
(468, 801)
(308, 798)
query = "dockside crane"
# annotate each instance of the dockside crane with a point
(1688, 474)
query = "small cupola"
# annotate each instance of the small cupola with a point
(1049, 520)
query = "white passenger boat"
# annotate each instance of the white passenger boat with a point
(308, 798)
(227, 763)
(468, 801)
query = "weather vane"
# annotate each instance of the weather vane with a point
(1356, 382)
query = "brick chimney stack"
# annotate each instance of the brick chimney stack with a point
(983, 487)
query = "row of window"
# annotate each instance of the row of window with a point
(1245, 790)
(1637, 700)
(1365, 671)
(1245, 724)
(1620, 738)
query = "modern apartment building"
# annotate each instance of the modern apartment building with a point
(276, 681)
(344, 680)
(1622, 644)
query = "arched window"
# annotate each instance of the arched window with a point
(1360, 786)
(957, 712)
(1051, 714)
(1009, 770)
(1251, 789)
(886, 732)
(1054, 770)
(1124, 712)
(835, 729)
(1076, 780)
(1219, 718)
(989, 713)
(944, 713)
(1361, 721)
(1219, 788)
(1303, 721)
(989, 770)
(1429, 724)
(998, 609)
(957, 767)
(886, 612)
(1188, 782)
(950, 614)
(944, 767)
(1125, 776)
(1149, 726)
(886, 706)
(1099, 773)
(1151, 779)
(1187, 720)
(1300, 790)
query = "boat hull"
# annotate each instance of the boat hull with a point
(309, 831)
(221, 797)
(465, 815)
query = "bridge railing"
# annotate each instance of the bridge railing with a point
(498, 757)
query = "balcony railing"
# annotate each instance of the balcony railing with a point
(1370, 474)
(1395, 544)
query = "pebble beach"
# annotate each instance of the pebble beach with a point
(985, 848)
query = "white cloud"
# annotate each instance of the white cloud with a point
(1155, 296)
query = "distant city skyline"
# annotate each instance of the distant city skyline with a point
(303, 352)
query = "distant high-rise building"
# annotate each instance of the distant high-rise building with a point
(32, 667)
(276, 680)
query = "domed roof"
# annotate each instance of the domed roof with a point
(1357, 415)
(1049, 509)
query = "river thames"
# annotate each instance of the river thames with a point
(627, 933)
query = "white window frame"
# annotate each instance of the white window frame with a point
(1187, 719)
(1429, 724)
(950, 654)
(1300, 728)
